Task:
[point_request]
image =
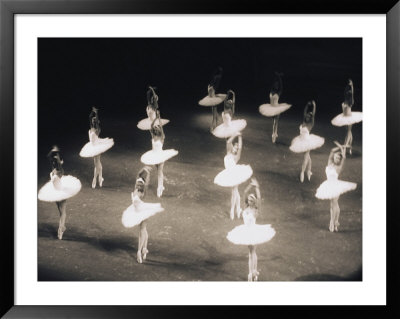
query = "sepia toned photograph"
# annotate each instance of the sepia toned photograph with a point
(200, 159)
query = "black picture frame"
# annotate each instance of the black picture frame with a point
(8, 10)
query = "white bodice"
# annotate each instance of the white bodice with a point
(137, 202)
(151, 113)
(346, 109)
(211, 91)
(331, 173)
(304, 133)
(273, 99)
(226, 118)
(249, 217)
(56, 180)
(229, 161)
(93, 136)
(157, 145)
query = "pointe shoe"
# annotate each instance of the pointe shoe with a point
(101, 182)
(239, 212)
(309, 173)
(232, 215)
(302, 177)
(350, 151)
(139, 257)
(94, 183)
(61, 231)
(336, 226)
(160, 191)
(255, 275)
(331, 227)
(250, 277)
(274, 136)
(145, 252)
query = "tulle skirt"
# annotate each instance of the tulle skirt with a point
(301, 144)
(134, 216)
(157, 157)
(70, 186)
(225, 131)
(272, 110)
(334, 188)
(145, 124)
(100, 146)
(252, 234)
(233, 176)
(212, 101)
(342, 120)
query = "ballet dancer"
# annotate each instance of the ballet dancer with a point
(138, 212)
(332, 188)
(157, 156)
(229, 127)
(151, 110)
(306, 142)
(213, 99)
(274, 109)
(234, 174)
(96, 146)
(348, 118)
(250, 233)
(59, 188)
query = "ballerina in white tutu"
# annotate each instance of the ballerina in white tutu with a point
(59, 188)
(234, 174)
(213, 99)
(96, 146)
(306, 142)
(250, 233)
(157, 156)
(151, 110)
(348, 118)
(332, 188)
(139, 212)
(229, 126)
(274, 109)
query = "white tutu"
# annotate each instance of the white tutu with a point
(252, 234)
(212, 101)
(62, 188)
(273, 110)
(333, 188)
(145, 124)
(234, 175)
(91, 149)
(226, 130)
(134, 215)
(157, 157)
(342, 120)
(304, 143)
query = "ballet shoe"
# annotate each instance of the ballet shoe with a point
(145, 252)
(101, 182)
(331, 227)
(250, 277)
(94, 183)
(61, 231)
(160, 191)
(336, 226)
(302, 177)
(139, 257)
(239, 212)
(232, 215)
(350, 151)
(274, 136)
(309, 173)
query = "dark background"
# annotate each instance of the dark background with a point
(113, 74)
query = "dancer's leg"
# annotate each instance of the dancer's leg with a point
(145, 240)
(237, 202)
(100, 171)
(95, 172)
(250, 275)
(215, 118)
(140, 243)
(233, 201)
(303, 167)
(62, 208)
(337, 213)
(255, 259)
(309, 173)
(160, 188)
(332, 221)
(275, 128)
